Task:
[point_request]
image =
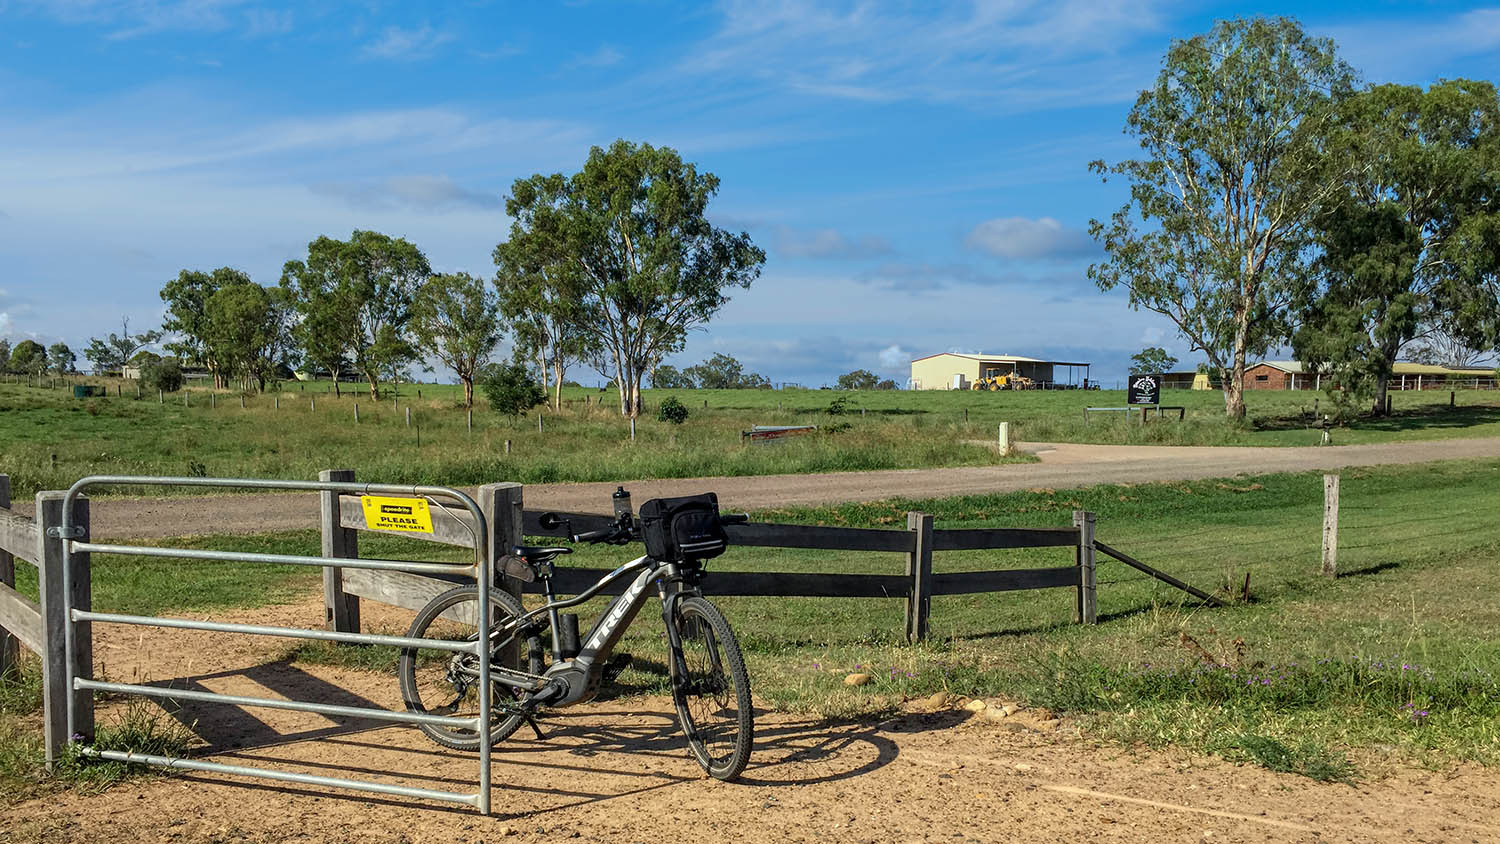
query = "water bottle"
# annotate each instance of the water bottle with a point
(623, 510)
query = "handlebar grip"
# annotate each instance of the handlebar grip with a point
(595, 535)
(735, 519)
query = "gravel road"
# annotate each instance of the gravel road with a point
(1060, 466)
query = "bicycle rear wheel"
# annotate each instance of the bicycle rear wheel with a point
(444, 683)
(712, 692)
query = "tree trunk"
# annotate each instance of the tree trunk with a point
(557, 379)
(374, 385)
(635, 394)
(336, 393)
(468, 390)
(1234, 387)
(1382, 386)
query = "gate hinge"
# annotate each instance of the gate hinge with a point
(59, 532)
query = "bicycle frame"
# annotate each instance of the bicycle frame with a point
(579, 677)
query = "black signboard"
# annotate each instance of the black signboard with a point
(1144, 389)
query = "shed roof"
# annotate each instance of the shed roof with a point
(1007, 358)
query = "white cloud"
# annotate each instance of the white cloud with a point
(894, 358)
(827, 243)
(137, 18)
(1412, 48)
(1014, 54)
(1025, 239)
(418, 191)
(406, 44)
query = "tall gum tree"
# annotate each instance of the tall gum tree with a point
(355, 297)
(1402, 246)
(1236, 163)
(635, 252)
(456, 317)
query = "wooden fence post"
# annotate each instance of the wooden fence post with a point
(341, 610)
(10, 646)
(502, 507)
(919, 569)
(1007, 445)
(56, 658)
(1330, 525)
(1088, 584)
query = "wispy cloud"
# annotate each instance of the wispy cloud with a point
(827, 243)
(1411, 48)
(399, 44)
(980, 54)
(419, 191)
(1024, 239)
(137, 18)
(605, 56)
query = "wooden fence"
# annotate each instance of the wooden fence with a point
(917, 584)
(39, 627)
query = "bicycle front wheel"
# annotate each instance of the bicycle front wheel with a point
(440, 682)
(712, 689)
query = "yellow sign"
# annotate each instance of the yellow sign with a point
(406, 514)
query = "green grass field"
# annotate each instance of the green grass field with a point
(48, 439)
(1393, 662)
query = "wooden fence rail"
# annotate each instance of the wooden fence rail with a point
(39, 626)
(917, 585)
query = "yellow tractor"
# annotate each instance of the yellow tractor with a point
(1008, 381)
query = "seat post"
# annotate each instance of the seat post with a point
(552, 617)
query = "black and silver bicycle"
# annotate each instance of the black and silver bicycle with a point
(536, 656)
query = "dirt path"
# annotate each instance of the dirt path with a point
(1061, 466)
(618, 772)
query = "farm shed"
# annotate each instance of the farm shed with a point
(955, 371)
(1190, 379)
(1293, 375)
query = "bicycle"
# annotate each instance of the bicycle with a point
(710, 686)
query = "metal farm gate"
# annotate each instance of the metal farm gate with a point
(79, 618)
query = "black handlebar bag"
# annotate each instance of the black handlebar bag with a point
(683, 530)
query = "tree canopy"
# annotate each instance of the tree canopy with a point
(859, 379)
(1152, 359)
(353, 299)
(632, 246)
(456, 317)
(1408, 241)
(1236, 163)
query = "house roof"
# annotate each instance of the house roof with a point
(1401, 368)
(1006, 358)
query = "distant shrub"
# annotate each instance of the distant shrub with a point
(838, 407)
(510, 388)
(672, 410)
(162, 374)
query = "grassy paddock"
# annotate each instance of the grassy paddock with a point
(1394, 661)
(50, 439)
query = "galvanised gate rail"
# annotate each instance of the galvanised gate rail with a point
(80, 670)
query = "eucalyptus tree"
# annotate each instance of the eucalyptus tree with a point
(1236, 163)
(538, 298)
(633, 249)
(1410, 241)
(456, 317)
(61, 358)
(186, 298)
(354, 298)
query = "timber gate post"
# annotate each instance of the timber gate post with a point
(341, 610)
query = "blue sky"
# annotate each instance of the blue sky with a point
(916, 172)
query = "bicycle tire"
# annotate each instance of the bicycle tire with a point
(713, 698)
(425, 673)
